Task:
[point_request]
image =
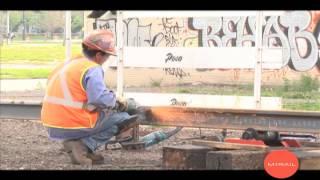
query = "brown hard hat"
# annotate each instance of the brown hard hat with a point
(102, 40)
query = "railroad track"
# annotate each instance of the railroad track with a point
(238, 119)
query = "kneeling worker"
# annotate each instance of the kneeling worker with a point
(78, 108)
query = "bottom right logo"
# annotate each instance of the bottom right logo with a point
(281, 164)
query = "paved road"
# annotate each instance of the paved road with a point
(27, 66)
(22, 84)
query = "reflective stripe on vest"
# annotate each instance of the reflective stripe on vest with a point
(67, 100)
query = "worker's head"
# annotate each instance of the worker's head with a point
(99, 45)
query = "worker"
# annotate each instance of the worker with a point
(78, 109)
(314, 23)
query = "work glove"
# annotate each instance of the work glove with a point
(121, 104)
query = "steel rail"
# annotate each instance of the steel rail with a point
(240, 119)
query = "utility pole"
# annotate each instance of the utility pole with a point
(258, 65)
(8, 27)
(24, 27)
(84, 28)
(85, 23)
(68, 35)
(119, 28)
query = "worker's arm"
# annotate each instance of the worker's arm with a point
(97, 92)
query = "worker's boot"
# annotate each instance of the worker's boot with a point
(127, 124)
(77, 151)
(95, 157)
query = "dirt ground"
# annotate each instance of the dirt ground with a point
(24, 145)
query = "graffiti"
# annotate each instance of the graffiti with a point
(172, 58)
(156, 40)
(274, 35)
(135, 34)
(171, 30)
(276, 75)
(190, 42)
(280, 74)
(208, 29)
(170, 40)
(108, 24)
(160, 32)
(236, 74)
(177, 72)
(175, 102)
(168, 35)
(219, 31)
(228, 28)
(171, 26)
(297, 22)
(290, 31)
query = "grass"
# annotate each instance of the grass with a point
(304, 104)
(155, 83)
(241, 90)
(41, 52)
(24, 73)
(293, 98)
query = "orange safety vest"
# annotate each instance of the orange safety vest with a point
(64, 105)
(315, 18)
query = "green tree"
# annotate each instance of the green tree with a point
(76, 21)
(32, 18)
(46, 21)
(52, 21)
(15, 20)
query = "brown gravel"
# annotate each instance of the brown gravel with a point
(24, 145)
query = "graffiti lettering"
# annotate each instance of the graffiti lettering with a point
(170, 26)
(171, 41)
(208, 29)
(294, 23)
(108, 24)
(228, 27)
(172, 58)
(245, 31)
(175, 102)
(177, 72)
(274, 36)
(171, 30)
(134, 33)
(297, 23)
(290, 32)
